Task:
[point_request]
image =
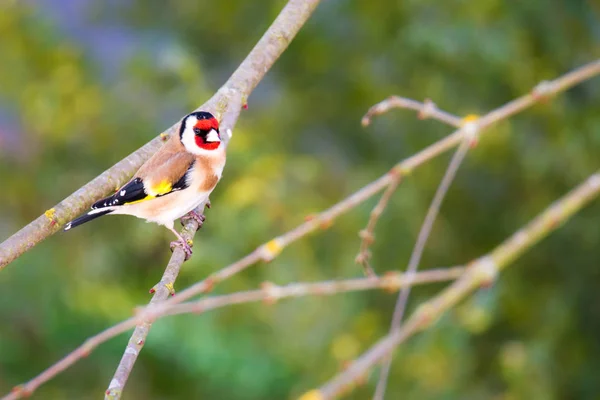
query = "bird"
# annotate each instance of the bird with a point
(173, 182)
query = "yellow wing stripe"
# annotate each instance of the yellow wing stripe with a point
(161, 188)
(139, 201)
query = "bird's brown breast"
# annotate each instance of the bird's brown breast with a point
(209, 183)
(209, 171)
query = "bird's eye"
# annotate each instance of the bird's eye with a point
(197, 131)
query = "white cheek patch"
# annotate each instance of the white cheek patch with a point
(189, 141)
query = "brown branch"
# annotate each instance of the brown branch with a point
(226, 105)
(22, 391)
(425, 110)
(271, 249)
(270, 293)
(480, 272)
(161, 291)
(428, 109)
(415, 257)
(391, 281)
(235, 91)
(368, 234)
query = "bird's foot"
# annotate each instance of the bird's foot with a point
(199, 218)
(185, 246)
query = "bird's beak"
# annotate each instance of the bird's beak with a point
(213, 136)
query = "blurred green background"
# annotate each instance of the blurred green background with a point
(84, 83)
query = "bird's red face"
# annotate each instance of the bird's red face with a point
(207, 135)
(200, 132)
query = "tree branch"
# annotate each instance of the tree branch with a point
(425, 110)
(272, 248)
(415, 257)
(235, 91)
(428, 109)
(226, 105)
(367, 235)
(270, 293)
(479, 272)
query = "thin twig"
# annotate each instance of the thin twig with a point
(415, 257)
(368, 234)
(161, 291)
(270, 293)
(482, 271)
(425, 110)
(271, 249)
(391, 281)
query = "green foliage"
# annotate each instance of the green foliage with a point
(82, 87)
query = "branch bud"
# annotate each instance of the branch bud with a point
(271, 249)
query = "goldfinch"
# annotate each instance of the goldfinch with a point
(173, 182)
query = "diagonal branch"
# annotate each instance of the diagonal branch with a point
(415, 257)
(271, 293)
(235, 91)
(425, 110)
(428, 109)
(271, 249)
(368, 234)
(480, 272)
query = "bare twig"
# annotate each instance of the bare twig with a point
(425, 110)
(415, 257)
(161, 291)
(480, 272)
(391, 281)
(22, 391)
(271, 249)
(270, 293)
(368, 234)
(428, 109)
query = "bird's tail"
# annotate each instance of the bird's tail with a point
(87, 217)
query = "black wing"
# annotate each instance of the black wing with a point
(135, 191)
(129, 193)
(132, 192)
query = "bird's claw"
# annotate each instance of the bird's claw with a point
(199, 218)
(187, 249)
